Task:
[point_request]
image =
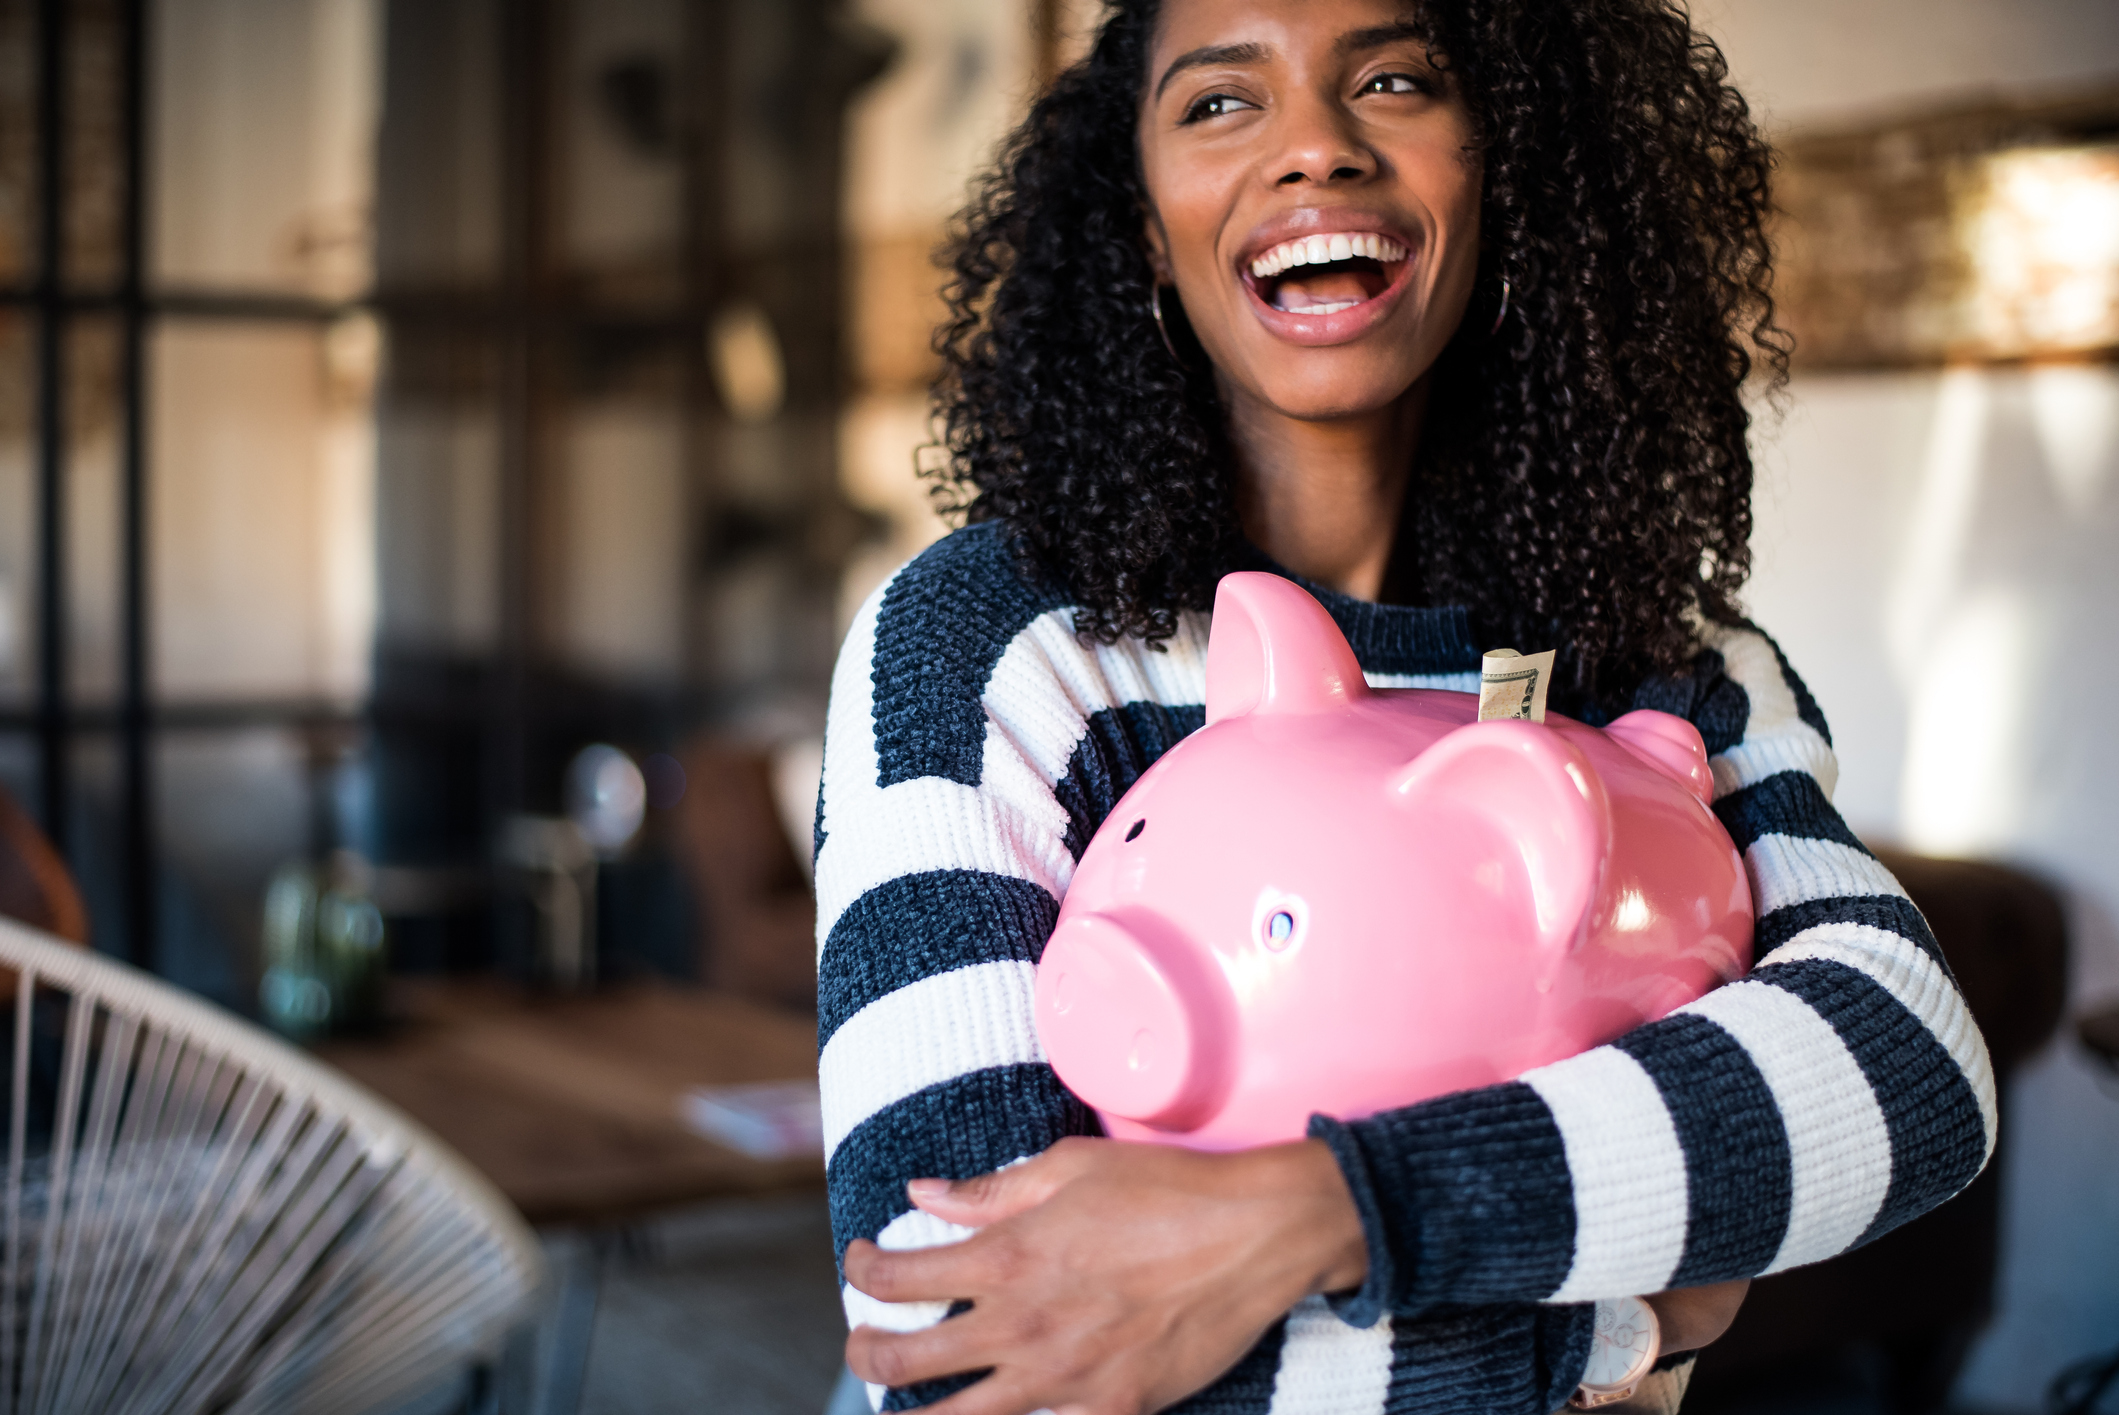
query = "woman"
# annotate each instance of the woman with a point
(1445, 311)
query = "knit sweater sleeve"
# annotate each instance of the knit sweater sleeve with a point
(969, 738)
(1837, 1091)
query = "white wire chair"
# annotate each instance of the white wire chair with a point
(199, 1217)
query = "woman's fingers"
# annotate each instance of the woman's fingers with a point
(903, 1358)
(988, 1198)
(944, 1274)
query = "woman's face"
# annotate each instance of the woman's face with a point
(1313, 195)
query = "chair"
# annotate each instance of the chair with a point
(199, 1217)
(757, 916)
(34, 885)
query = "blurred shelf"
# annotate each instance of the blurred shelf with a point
(570, 1105)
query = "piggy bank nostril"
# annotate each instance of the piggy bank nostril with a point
(1138, 826)
(1279, 929)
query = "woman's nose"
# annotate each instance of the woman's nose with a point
(1318, 145)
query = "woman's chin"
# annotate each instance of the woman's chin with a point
(1331, 385)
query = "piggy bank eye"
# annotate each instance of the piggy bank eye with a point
(1280, 928)
(1138, 826)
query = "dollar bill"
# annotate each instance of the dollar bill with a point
(1512, 685)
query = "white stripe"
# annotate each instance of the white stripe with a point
(1465, 682)
(934, 824)
(1794, 746)
(925, 1033)
(1328, 1367)
(1776, 738)
(1839, 1148)
(1048, 683)
(1788, 869)
(1628, 1169)
(911, 1229)
(849, 719)
(1902, 968)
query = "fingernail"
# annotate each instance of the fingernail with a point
(927, 1189)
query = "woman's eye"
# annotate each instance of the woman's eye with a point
(1214, 105)
(1398, 83)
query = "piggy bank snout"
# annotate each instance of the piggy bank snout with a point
(1133, 1020)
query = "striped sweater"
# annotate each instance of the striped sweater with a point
(975, 743)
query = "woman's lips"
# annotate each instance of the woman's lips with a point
(1337, 310)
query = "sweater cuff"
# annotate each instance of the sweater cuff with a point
(1366, 1304)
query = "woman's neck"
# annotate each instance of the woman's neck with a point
(1324, 498)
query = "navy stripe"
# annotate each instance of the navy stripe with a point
(1738, 1171)
(1786, 803)
(1464, 1198)
(1248, 1387)
(816, 827)
(916, 926)
(1805, 706)
(1496, 1359)
(924, 1393)
(1121, 743)
(1390, 638)
(970, 1125)
(1705, 696)
(1890, 912)
(1938, 1135)
(944, 623)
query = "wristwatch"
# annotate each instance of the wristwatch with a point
(1621, 1353)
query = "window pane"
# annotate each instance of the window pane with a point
(622, 142)
(264, 135)
(263, 509)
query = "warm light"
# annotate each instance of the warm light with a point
(748, 367)
(2043, 238)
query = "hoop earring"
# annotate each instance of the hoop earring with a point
(1501, 313)
(1155, 307)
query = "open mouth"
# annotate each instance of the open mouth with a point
(1319, 275)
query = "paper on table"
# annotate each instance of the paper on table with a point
(767, 1120)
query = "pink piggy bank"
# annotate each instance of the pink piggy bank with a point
(1343, 899)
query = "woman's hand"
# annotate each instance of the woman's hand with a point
(1110, 1278)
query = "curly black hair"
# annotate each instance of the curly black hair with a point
(1583, 480)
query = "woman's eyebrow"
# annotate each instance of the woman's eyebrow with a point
(1213, 54)
(1376, 36)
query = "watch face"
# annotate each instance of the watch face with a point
(1624, 1346)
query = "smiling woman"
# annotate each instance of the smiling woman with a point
(1445, 311)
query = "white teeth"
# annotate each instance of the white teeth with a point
(1318, 250)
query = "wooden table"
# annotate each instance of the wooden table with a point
(570, 1105)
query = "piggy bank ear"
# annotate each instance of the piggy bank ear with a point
(1532, 804)
(1671, 743)
(1274, 649)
